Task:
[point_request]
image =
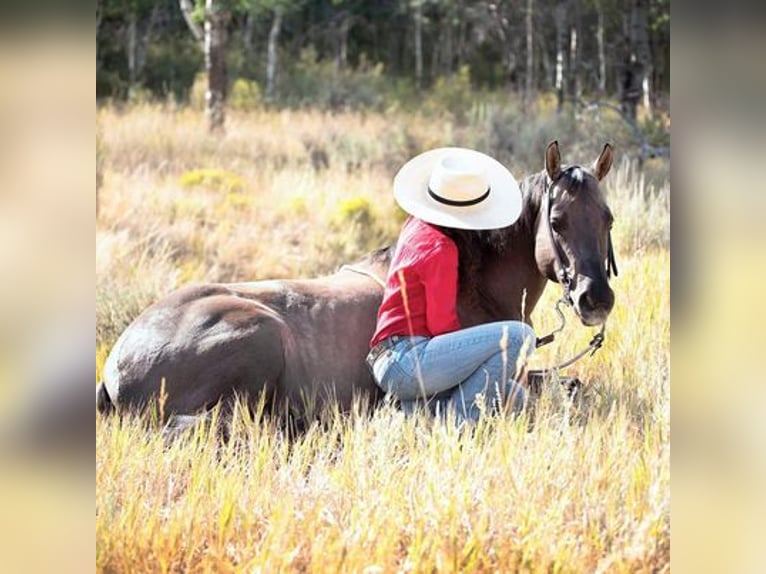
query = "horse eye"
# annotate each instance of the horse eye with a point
(559, 224)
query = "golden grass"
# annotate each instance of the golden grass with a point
(586, 489)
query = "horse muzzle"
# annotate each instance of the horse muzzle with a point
(593, 301)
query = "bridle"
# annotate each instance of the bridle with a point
(564, 277)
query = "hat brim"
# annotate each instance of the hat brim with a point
(501, 208)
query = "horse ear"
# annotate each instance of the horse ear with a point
(553, 160)
(604, 163)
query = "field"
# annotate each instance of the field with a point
(297, 193)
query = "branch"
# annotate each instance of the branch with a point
(187, 8)
(647, 150)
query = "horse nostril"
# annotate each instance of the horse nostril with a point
(585, 302)
(590, 301)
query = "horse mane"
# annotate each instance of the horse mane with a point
(523, 229)
(380, 256)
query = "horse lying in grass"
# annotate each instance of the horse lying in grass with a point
(300, 344)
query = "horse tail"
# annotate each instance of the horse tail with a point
(104, 404)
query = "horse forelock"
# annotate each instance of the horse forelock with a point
(575, 180)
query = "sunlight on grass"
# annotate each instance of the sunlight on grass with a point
(582, 486)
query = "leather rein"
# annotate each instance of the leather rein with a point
(565, 279)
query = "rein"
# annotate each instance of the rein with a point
(565, 279)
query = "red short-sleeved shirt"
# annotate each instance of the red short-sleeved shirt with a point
(427, 261)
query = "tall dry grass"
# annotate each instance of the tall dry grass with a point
(586, 488)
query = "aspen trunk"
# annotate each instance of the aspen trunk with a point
(560, 15)
(418, 15)
(601, 51)
(575, 52)
(271, 63)
(132, 25)
(530, 79)
(215, 65)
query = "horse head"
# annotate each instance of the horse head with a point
(572, 239)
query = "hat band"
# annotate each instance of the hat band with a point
(458, 203)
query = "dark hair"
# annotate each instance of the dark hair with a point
(474, 248)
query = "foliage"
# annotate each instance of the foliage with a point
(656, 130)
(452, 94)
(197, 92)
(245, 95)
(210, 178)
(321, 84)
(171, 67)
(487, 38)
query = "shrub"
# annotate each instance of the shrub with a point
(354, 210)
(319, 83)
(452, 94)
(245, 95)
(215, 179)
(655, 131)
(197, 92)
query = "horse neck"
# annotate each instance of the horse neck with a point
(377, 262)
(512, 280)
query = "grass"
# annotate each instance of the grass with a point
(586, 488)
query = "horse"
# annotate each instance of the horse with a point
(301, 344)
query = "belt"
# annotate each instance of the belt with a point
(382, 347)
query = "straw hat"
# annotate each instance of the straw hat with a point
(458, 187)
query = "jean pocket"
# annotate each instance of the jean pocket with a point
(388, 373)
(381, 367)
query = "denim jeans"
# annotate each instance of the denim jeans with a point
(468, 371)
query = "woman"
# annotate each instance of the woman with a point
(419, 351)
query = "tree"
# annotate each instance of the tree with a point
(215, 15)
(530, 78)
(417, 6)
(600, 48)
(560, 16)
(636, 58)
(271, 51)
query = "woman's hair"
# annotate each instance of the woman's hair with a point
(474, 248)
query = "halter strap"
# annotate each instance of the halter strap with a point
(561, 270)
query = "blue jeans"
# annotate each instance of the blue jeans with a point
(468, 371)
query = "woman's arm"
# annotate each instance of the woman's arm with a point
(440, 279)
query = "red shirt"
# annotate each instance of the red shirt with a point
(427, 260)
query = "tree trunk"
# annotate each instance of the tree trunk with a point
(575, 51)
(448, 30)
(601, 51)
(187, 9)
(271, 63)
(418, 15)
(435, 61)
(636, 59)
(131, 48)
(462, 26)
(530, 79)
(247, 35)
(643, 53)
(560, 15)
(545, 63)
(341, 55)
(215, 64)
